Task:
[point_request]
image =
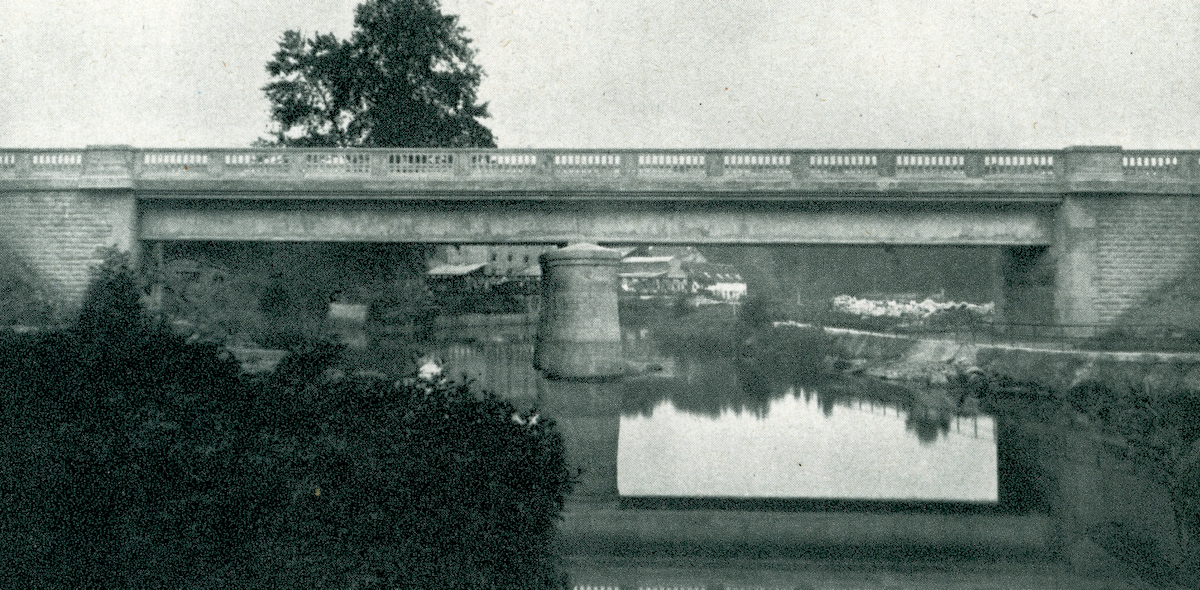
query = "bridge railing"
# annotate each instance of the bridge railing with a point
(697, 165)
(40, 163)
(1160, 164)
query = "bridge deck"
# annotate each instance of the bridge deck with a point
(746, 174)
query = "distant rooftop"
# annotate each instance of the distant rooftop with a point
(647, 259)
(455, 270)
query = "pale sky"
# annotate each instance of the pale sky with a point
(641, 73)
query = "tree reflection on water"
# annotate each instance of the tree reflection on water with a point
(712, 386)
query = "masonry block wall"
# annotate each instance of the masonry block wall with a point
(1145, 243)
(1117, 253)
(59, 234)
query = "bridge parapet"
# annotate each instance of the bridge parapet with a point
(700, 170)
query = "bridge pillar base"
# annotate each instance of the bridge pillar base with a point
(589, 417)
(578, 332)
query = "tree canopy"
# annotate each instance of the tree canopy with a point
(404, 78)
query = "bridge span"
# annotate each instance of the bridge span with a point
(1118, 225)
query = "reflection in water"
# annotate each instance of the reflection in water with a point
(589, 417)
(718, 428)
(705, 386)
(713, 386)
(505, 368)
(856, 451)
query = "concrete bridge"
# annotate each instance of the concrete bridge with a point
(1117, 225)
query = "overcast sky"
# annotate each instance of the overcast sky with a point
(642, 73)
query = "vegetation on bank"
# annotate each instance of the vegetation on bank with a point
(745, 332)
(135, 459)
(1154, 425)
(272, 305)
(23, 298)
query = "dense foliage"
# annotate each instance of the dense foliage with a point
(23, 300)
(1161, 430)
(278, 296)
(1157, 427)
(133, 459)
(405, 78)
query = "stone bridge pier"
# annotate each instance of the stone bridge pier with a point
(578, 332)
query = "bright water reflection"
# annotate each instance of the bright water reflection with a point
(711, 428)
(858, 451)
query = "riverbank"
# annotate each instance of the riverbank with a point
(1102, 437)
(1080, 504)
(935, 361)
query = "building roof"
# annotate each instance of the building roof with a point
(683, 253)
(648, 274)
(715, 272)
(455, 270)
(646, 259)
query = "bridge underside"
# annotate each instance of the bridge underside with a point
(611, 221)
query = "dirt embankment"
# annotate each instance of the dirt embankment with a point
(937, 362)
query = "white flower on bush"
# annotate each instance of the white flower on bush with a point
(429, 371)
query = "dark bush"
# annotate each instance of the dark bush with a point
(120, 469)
(409, 483)
(708, 330)
(500, 299)
(132, 459)
(797, 351)
(23, 300)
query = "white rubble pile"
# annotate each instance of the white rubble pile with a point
(910, 310)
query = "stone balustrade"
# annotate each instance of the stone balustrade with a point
(630, 170)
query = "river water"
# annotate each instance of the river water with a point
(706, 427)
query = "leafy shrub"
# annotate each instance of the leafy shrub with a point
(209, 303)
(134, 459)
(120, 464)
(796, 351)
(503, 298)
(408, 483)
(23, 300)
(1159, 429)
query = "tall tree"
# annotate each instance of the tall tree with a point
(405, 78)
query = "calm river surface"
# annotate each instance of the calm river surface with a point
(706, 427)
